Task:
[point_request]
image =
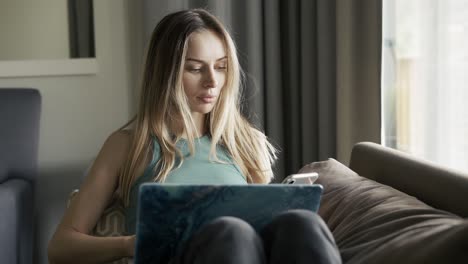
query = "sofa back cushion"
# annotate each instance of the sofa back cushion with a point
(20, 110)
(375, 223)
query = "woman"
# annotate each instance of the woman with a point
(188, 129)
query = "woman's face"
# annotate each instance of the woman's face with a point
(205, 71)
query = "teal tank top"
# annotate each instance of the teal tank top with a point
(196, 169)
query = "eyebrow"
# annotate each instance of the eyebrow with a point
(197, 60)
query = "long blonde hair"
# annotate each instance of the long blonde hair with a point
(164, 106)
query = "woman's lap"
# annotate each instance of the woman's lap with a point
(296, 236)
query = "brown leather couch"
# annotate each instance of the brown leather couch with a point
(390, 207)
(386, 207)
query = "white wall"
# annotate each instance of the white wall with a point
(79, 112)
(33, 29)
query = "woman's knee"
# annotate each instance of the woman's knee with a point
(225, 240)
(302, 235)
(300, 217)
(230, 226)
(230, 222)
(299, 221)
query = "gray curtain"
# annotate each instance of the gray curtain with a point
(359, 52)
(81, 28)
(313, 71)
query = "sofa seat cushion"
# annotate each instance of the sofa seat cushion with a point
(374, 223)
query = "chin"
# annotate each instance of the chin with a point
(204, 110)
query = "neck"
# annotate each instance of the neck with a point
(199, 120)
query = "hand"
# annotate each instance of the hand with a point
(129, 245)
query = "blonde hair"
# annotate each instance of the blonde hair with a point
(164, 106)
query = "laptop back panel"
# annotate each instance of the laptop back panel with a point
(169, 214)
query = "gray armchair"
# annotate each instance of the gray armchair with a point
(19, 135)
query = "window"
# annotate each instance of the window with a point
(425, 79)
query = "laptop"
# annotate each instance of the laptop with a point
(169, 214)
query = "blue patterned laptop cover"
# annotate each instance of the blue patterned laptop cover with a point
(168, 214)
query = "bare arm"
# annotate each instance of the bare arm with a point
(72, 242)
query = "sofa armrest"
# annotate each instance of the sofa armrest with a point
(438, 186)
(16, 222)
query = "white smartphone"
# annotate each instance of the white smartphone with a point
(302, 178)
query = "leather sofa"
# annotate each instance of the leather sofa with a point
(386, 207)
(390, 207)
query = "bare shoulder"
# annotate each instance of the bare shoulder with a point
(120, 139)
(111, 157)
(114, 151)
(99, 185)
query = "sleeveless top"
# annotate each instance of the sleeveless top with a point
(195, 169)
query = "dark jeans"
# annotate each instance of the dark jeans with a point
(296, 236)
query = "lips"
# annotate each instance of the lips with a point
(207, 99)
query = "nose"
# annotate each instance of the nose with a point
(210, 79)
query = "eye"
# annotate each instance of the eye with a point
(221, 67)
(194, 69)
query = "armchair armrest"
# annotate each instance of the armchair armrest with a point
(16, 222)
